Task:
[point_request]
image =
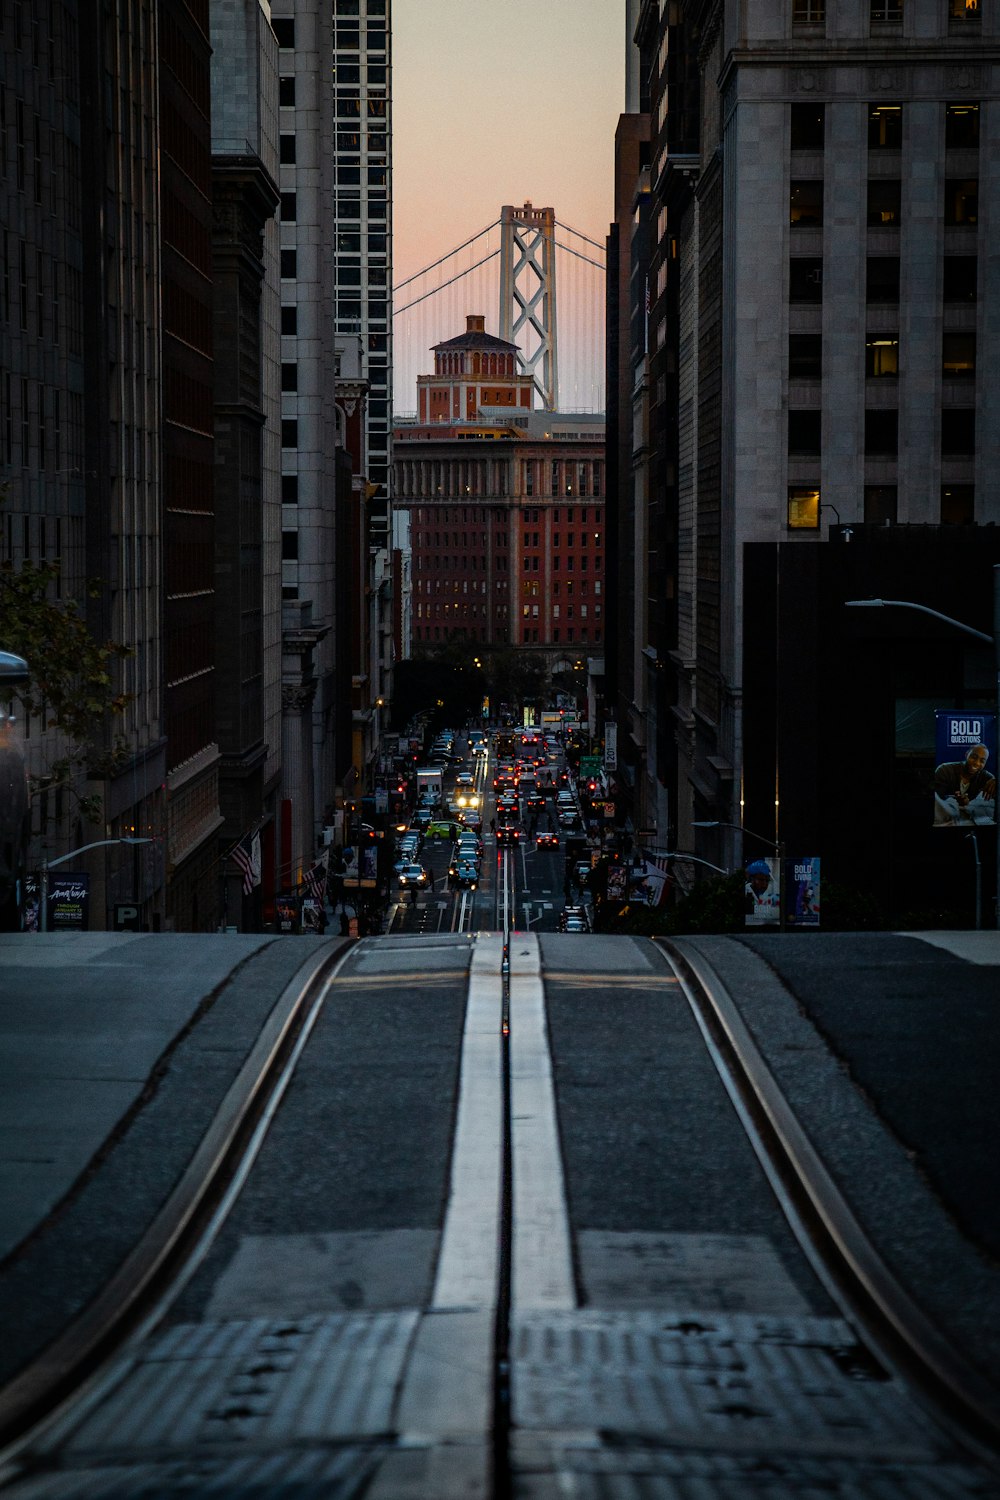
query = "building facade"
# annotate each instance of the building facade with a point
(246, 341)
(80, 394)
(505, 508)
(821, 333)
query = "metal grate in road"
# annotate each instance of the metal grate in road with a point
(314, 1379)
(736, 1383)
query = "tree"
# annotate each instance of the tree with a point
(71, 688)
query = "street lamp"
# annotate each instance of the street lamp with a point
(978, 635)
(775, 844)
(692, 859)
(50, 864)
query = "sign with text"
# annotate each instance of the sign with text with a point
(802, 892)
(611, 746)
(69, 903)
(965, 781)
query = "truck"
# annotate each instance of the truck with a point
(430, 784)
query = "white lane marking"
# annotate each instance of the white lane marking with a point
(542, 1262)
(467, 1265)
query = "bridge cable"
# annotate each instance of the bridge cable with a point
(568, 251)
(398, 311)
(447, 256)
(580, 235)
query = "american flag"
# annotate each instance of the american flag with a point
(247, 855)
(315, 879)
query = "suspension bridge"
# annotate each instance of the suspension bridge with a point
(510, 271)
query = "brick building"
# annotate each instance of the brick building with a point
(505, 507)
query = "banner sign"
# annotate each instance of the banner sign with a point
(762, 900)
(368, 865)
(69, 903)
(802, 892)
(617, 882)
(965, 782)
(611, 746)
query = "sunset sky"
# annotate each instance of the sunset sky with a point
(500, 101)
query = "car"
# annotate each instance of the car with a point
(546, 841)
(534, 802)
(569, 820)
(464, 799)
(442, 828)
(467, 874)
(408, 849)
(465, 778)
(469, 840)
(469, 818)
(413, 877)
(508, 834)
(421, 819)
(581, 871)
(573, 924)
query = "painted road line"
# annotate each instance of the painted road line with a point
(542, 1262)
(468, 1262)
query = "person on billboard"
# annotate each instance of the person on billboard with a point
(761, 896)
(964, 791)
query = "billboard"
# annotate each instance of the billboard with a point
(69, 903)
(965, 761)
(802, 892)
(762, 893)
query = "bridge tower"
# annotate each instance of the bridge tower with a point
(528, 293)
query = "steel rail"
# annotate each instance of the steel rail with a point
(160, 1257)
(834, 1242)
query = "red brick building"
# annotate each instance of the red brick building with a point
(505, 507)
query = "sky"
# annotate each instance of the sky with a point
(501, 101)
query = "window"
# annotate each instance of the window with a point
(286, 92)
(288, 265)
(961, 200)
(803, 509)
(958, 431)
(804, 433)
(958, 504)
(805, 202)
(960, 278)
(961, 125)
(881, 358)
(807, 126)
(959, 355)
(882, 283)
(880, 504)
(884, 201)
(286, 149)
(289, 376)
(882, 433)
(808, 12)
(289, 489)
(289, 433)
(805, 279)
(963, 10)
(289, 320)
(805, 356)
(288, 208)
(284, 30)
(885, 127)
(886, 10)
(289, 546)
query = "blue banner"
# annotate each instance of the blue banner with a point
(965, 783)
(802, 892)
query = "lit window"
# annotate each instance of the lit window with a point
(803, 509)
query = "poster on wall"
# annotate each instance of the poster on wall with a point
(965, 782)
(762, 893)
(802, 892)
(69, 903)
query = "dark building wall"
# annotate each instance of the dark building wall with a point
(188, 395)
(244, 198)
(839, 709)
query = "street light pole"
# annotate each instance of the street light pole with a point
(776, 844)
(979, 635)
(50, 864)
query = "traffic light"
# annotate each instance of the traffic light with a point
(591, 786)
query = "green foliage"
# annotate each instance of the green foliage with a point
(71, 687)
